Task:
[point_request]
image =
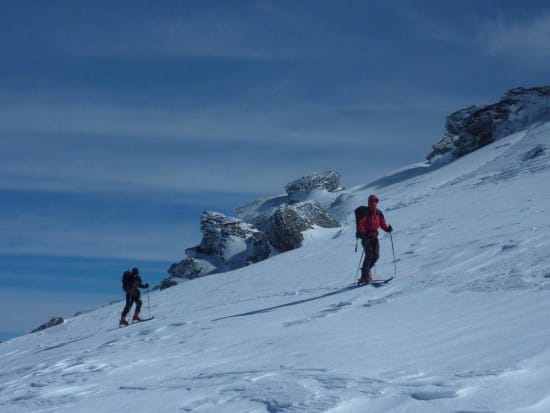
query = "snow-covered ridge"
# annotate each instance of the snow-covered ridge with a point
(277, 224)
(463, 328)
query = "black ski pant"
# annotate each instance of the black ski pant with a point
(132, 296)
(371, 246)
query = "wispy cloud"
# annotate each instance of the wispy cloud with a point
(70, 145)
(252, 31)
(239, 121)
(486, 29)
(504, 36)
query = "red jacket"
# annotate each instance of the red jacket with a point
(368, 224)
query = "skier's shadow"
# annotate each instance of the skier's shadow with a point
(276, 307)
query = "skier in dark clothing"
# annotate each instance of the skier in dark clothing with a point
(131, 283)
(368, 220)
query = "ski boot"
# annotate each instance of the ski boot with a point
(365, 279)
(136, 318)
(123, 321)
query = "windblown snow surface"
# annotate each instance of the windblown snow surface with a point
(465, 326)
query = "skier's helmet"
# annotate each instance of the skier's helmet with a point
(135, 271)
(373, 199)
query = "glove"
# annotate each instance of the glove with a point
(390, 228)
(357, 235)
(146, 285)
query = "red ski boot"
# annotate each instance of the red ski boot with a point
(122, 321)
(365, 279)
(136, 318)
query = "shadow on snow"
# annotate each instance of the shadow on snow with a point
(293, 303)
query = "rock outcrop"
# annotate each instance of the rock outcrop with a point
(283, 219)
(235, 242)
(53, 322)
(476, 126)
(228, 243)
(289, 222)
(190, 268)
(264, 227)
(301, 189)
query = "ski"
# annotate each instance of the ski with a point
(136, 322)
(142, 320)
(376, 282)
(382, 281)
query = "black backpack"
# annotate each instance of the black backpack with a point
(127, 280)
(360, 213)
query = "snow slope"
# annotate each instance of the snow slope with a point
(465, 327)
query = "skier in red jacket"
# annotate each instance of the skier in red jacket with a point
(368, 220)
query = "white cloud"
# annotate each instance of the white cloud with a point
(236, 121)
(503, 34)
(521, 38)
(68, 145)
(236, 32)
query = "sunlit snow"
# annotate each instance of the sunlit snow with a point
(464, 327)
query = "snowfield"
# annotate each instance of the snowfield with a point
(464, 327)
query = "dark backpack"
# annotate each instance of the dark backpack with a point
(360, 213)
(127, 280)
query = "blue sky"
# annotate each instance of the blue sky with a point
(121, 121)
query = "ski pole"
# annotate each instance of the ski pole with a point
(394, 262)
(356, 241)
(359, 266)
(148, 306)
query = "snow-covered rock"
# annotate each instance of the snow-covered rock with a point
(188, 268)
(322, 187)
(54, 321)
(306, 204)
(476, 126)
(300, 189)
(264, 227)
(288, 222)
(236, 242)
(227, 244)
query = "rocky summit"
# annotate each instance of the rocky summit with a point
(476, 126)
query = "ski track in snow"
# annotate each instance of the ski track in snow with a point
(462, 329)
